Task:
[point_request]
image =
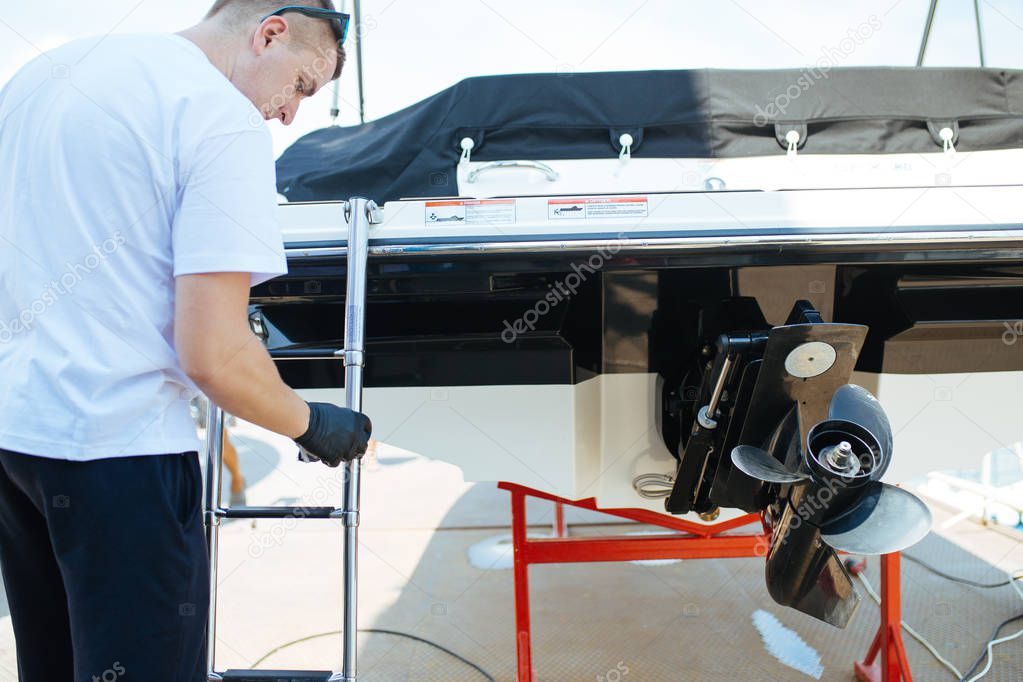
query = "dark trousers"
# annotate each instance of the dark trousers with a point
(105, 567)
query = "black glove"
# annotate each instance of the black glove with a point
(335, 434)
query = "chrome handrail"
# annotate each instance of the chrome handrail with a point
(551, 174)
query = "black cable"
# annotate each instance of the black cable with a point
(983, 654)
(469, 663)
(381, 631)
(972, 583)
(957, 579)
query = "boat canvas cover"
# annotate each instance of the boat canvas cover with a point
(705, 113)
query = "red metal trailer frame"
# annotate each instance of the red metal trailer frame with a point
(700, 542)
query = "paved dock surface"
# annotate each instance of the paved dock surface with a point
(614, 622)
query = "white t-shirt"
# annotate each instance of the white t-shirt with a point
(124, 162)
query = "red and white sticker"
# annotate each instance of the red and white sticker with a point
(471, 212)
(597, 207)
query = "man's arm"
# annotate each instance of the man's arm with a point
(219, 352)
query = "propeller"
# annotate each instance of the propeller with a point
(886, 519)
(856, 404)
(834, 501)
(760, 465)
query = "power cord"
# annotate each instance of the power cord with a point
(992, 641)
(905, 626)
(857, 568)
(1012, 580)
(964, 581)
(380, 631)
(653, 486)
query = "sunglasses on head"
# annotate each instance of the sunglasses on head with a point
(339, 21)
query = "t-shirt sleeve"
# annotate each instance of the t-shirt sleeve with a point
(226, 218)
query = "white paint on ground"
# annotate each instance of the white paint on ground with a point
(787, 646)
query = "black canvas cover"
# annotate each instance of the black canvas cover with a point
(674, 114)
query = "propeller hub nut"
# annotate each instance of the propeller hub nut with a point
(842, 459)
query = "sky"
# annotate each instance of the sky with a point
(412, 48)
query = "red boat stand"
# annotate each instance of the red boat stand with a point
(702, 542)
(893, 665)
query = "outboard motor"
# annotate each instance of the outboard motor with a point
(782, 431)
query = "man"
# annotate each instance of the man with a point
(136, 209)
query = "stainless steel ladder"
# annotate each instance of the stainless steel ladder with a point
(359, 213)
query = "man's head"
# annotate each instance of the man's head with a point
(282, 59)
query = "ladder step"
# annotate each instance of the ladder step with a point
(276, 676)
(307, 354)
(278, 512)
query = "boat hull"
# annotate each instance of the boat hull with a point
(476, 362)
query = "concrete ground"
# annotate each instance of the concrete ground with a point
(692, 620)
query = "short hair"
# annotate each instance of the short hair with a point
(311, 32)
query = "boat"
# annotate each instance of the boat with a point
(679, 290)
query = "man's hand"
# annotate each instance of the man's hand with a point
(335, 434)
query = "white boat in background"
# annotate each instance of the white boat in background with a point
(992, 493)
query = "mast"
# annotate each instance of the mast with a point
(927, 32)
(358, 58)
(980, 33)
(335, 108)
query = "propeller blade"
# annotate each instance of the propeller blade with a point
(856, 404)
(760, 465)
(885, 519)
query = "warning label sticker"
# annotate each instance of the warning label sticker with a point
(471, 212)
(597, 207)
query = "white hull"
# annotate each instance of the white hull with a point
(592, 439)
